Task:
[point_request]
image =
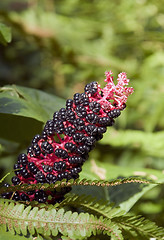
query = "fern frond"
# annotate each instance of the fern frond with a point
(21, 219)
(60, 184)
(137, 227)
(91, 205)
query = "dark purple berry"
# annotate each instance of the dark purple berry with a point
(59, 166)
(15, 180)
(91, 88)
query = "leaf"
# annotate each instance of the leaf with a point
(5, 34)
(28, 102)
(20, 219)
(136, 227)
(25, 110)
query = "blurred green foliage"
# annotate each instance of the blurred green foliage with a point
(60, 45)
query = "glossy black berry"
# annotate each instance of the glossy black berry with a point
(30, 152)
(49, 127)
(69, 104)
(24, 197)
(15, 180)
(24, 173)
(78, 137)
(105, 121)
(77, 98)
(75, 160)
(61, 153)
(40, 177)
(70, 146)
(22, 159)
(92, 118)
(81, 111)
(36, 149)
(47, 147)
(36, 138)
(82, 149)
(16, 196)
(84, 100)
(69, 131)
(101, 130)
(90, 140)
(58, 126)
(47, 168)
(95, 106)
(32, 168)
(63, 175)
(17, 166)
(91, 88)
(40, 196)
(59, 166)
(114, 113)
(91, 129)
(62, 114)
(70, 115)
(50, 178)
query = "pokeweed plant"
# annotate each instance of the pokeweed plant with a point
(38, 204)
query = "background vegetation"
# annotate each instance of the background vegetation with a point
(60, 45)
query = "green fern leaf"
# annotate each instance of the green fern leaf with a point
(91, 205)
(136, 227)
(17, 218)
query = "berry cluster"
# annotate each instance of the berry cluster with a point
(62, 148)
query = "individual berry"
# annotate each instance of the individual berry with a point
(69, 131)
(63, 175)
(91, 129)
(30, 151)
(36, 138)
(59, 166)
(114, 113)
(95, 106)
(91, 88)
(50, 178)
(40, 196)
(75, 160)
(32, 168)
(36, 149)
(59, 152)
(77, 98)
(105, 121)
(49, 128)
(69, 104)
(15, 180)
(24, 197)
(101, 130)
(58, 126)
(40, 177)
(70, 115)
(47, 168)
(16, 196)
(24, 173)
(62, 114)
(47, 147)
(84, 100)
(78, 137)
(79, 124)
(90, 140)
(81, 111)
(70, 146)
(82, 149)
(22, 159)
(17, 167)
(92, 118)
